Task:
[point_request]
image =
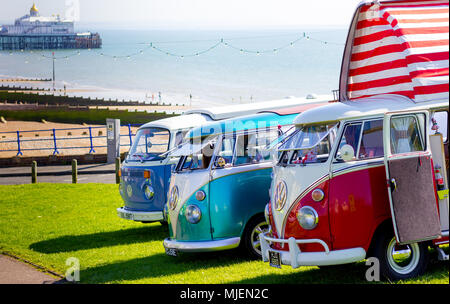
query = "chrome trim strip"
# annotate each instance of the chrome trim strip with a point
(202, 246)
(358, 167)
(152, 216)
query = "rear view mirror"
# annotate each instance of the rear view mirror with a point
(347, 153)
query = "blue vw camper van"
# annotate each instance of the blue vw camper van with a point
(220, 185)
(146, 171)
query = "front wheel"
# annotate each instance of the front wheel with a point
(399, 262)
(250, 239)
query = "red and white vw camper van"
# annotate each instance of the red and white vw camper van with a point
(367, 176)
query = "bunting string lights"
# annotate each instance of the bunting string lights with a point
(155, 46)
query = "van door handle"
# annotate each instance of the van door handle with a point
(393, 184)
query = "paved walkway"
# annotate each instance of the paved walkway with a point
(94, 173)
(13, 271)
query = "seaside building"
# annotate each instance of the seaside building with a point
(33, 31)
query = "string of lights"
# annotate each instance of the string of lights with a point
(217, 43)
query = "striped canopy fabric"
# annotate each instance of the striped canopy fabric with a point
(401, 47)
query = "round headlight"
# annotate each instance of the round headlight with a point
(266, 213)
(317, 195)
(148, 192)
(200, 195)
(193, 214)
(121, 188)
(307, 218)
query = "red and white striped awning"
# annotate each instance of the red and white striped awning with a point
(400, 47)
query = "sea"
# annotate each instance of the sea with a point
(191, 67)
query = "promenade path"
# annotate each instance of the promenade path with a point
(13, 271)
(97, 173)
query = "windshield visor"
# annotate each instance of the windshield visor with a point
(310, 144)
(148, 144)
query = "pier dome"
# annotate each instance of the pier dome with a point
(34, 12)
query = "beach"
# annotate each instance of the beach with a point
(127, 68)
(42, 137)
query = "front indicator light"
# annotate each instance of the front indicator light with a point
(317, 195)
(307, 218)
(147, 174)
(193, 214)
(200, 195)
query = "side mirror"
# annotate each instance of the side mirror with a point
(347, 153)
(149, 145)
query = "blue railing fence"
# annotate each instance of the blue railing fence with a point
(57, 140)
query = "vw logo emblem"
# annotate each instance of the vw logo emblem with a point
(129, 190)
(280, 195)
(173, 197)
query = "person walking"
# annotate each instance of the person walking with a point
(190, 100)
(159, 96)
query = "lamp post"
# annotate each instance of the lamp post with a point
(53, 55)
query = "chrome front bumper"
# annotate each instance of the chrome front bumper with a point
(295, 258)
(139, 216)
(205, 246)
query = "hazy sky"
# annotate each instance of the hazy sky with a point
(191, 13)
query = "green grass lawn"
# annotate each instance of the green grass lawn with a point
(49, 223)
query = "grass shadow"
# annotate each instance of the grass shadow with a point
(70, 243)
(343, 274)
(157, 265)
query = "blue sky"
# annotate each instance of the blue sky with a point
(192, 14)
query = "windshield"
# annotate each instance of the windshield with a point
(194, 155)
(148, 144)
(310, 144)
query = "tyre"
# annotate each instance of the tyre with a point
(399, 262)
(250, 239)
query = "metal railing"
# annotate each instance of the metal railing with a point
(54, 142)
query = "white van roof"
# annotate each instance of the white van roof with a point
(196, 117)
(365, 107)
(230, 111)
(177, 122)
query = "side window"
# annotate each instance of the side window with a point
(406, 134)
(179, 138)
(244, 151)
(250, 148)
(372, 140)
(439, 124)
(366, 139)
(351, 135)
(226, 152)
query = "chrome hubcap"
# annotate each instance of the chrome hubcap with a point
(260, 228)
(403, 258)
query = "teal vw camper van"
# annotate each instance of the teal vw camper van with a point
(146, 171)
(220, 185)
